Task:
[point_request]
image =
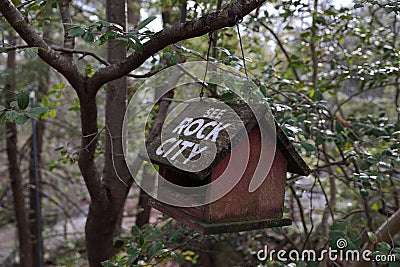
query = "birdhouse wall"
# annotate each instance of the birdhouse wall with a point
(179, 178)
(239, 204)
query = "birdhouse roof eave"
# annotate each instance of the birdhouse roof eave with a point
(296, 164)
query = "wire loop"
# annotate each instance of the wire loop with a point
(238, 19)
(204, 84)
(250, 88)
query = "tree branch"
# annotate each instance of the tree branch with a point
(197, 27)
(313, 47)
(49, 55)
(83, 52)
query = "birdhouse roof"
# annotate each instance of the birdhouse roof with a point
(205, 133)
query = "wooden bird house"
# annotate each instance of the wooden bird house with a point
(224, 141)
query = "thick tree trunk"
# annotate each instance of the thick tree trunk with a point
(25, 246)
(97, 231)
(21, 213)
(104, 212)
(116, 172)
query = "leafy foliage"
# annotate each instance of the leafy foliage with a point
(148, 246)
(94, 32)
(18, 112)
(389, 6)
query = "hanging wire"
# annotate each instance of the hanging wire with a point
(204, 84)
(250, 88)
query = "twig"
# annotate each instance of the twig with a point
(83, 52)
(301, 210)
(113, 160)
(280, 44)
(311, 212)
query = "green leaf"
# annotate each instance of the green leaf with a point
(154, 250)
(339, 225)
(141, 240)
(109, 264)
(135, 231)
(31, 51)
(2, 108)
(372, 237)
(371, 159)
(317, 96)
(277, 230)
(177, 257)
(135, 43)
(263, 90)
(307, 146)
(45, 102)
(14, 104)
(77, 31)
(395, 264)
(335, 235)
(110, 24)
(389, 9)
(23, 100)
(32, 115)
(52, 113)
(132, 249)
(339, 126)
(38, 110)
(89, 70)
(228, 96)
(377, 131)
(3, 118)
(89, 37)
(22, 119)
(108, 35)
(385, 165)
(167, 55)
(11, 115)
(118, 243)
(3, 50)
(145, 22)
(364, 193)
(384, 247)
(358, 5)
(133, 257)
(224, 50)
(319, 141)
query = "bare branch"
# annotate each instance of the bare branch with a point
(280, 44)
(16, 47)
(83, 52)
(146, 75)
(69, 41)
